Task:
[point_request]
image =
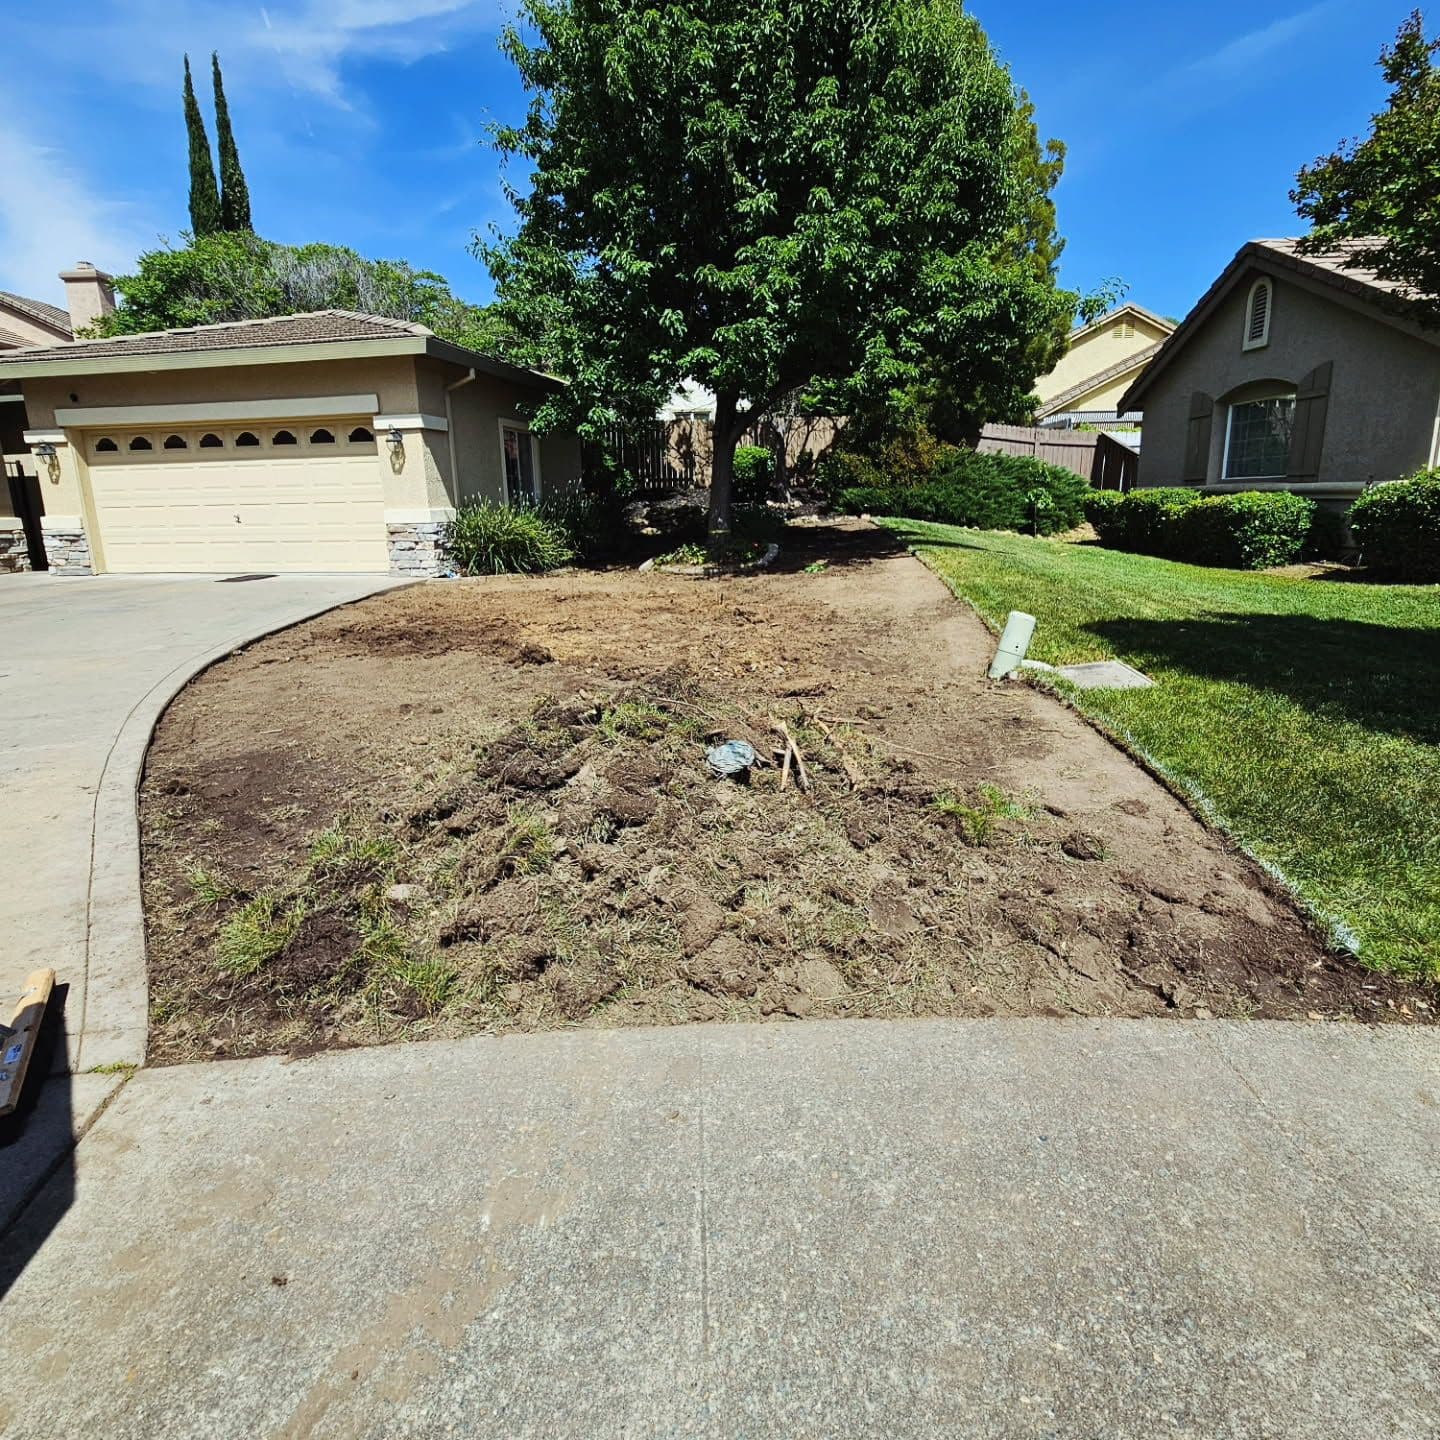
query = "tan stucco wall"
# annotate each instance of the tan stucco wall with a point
(476, 412)
(1383, 395)
(1107, 396)
(26, 328)
(1095, 352)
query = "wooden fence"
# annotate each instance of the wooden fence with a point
(1101, 459)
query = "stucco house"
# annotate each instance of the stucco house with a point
(1102, 362)
(331, 441)
(1293, 372)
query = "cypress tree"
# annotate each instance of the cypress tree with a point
(205, 216)
(234, 192)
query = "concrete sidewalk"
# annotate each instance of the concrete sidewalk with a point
(934, 1228)
(88, 666)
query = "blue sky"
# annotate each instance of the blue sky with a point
(1185, 127)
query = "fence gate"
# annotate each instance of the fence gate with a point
(643, 451)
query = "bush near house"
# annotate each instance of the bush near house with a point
(1099, 507)
(1398, 526)
(489, 539)
(986, 492)
(1246, 531)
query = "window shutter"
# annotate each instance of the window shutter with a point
(1197, 439)
(1307, 441)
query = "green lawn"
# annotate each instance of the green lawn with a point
(1304, 714)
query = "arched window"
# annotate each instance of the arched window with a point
(246, 439)
(322, 437)
(139, 442)
(211, 441)
(175, 442)
(1257, 315)
(284, 437)
(106, 446)
(359, 435)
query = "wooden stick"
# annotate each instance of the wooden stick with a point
(794, 750)
(853, 771)
(785, 770)
(19, 1043)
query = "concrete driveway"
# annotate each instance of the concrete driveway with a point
(988, 1229)
(86, 667)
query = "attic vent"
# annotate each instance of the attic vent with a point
(1257, 316)
(1124, 330)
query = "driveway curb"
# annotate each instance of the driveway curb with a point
(109, 1025)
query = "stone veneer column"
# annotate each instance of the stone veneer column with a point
(419, 497)
(14, 551)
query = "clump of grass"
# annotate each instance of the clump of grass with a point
(338, 848)
(431, 980)
(207, 885)
(256, 933)
(633, 720)
(979, 820)
(528, 846)
(490, 539)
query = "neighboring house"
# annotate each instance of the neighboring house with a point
(1294, 372)
(327, 441)
(1102, 362)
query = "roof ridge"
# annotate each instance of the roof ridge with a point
(41, 310)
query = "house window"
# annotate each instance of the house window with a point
(106, 446)
(284, 437)
(1257, 438)
(322, 437)
(139, 442)
(359, 435)
(211, 442)
(517, 453)
(175, 442)
(1257, 315)
(246, 439)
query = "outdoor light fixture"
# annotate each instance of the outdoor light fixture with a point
(395, 440)
(45, 452)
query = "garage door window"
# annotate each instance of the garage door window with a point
(176, 445)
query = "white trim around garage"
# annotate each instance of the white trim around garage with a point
(45, 437)
(197, 412)
(411, 422)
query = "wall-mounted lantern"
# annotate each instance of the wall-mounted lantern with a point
(46, 451)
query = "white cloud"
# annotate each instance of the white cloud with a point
(50, 217)
(1241, 57)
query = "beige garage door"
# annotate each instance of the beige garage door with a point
(277, 496)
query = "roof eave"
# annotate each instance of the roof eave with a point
(452, 354)
(71, 364)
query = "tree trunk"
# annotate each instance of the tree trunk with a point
(722, 469)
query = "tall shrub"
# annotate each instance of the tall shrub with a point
(1247, 531)
(1398, 527)
(205, 217)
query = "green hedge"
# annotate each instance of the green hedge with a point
(1398, 527)
(1099, 506)
(754, 473)
(1245, 531)
(987, 492)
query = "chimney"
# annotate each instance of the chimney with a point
(88, 294)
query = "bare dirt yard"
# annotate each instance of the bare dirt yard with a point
(484, 805)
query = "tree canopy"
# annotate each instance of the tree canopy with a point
(847, 196)
(1384, 191)
(239, 276)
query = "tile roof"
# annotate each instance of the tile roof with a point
(1335, 264)
(40, 311)
(8, 339)
(314, 328)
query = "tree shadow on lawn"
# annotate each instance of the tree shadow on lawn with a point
(1384, 677)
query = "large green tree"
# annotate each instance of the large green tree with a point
(234, 192)
(239, 276)
(1383, 192)
(205, 215)
(771, 196)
